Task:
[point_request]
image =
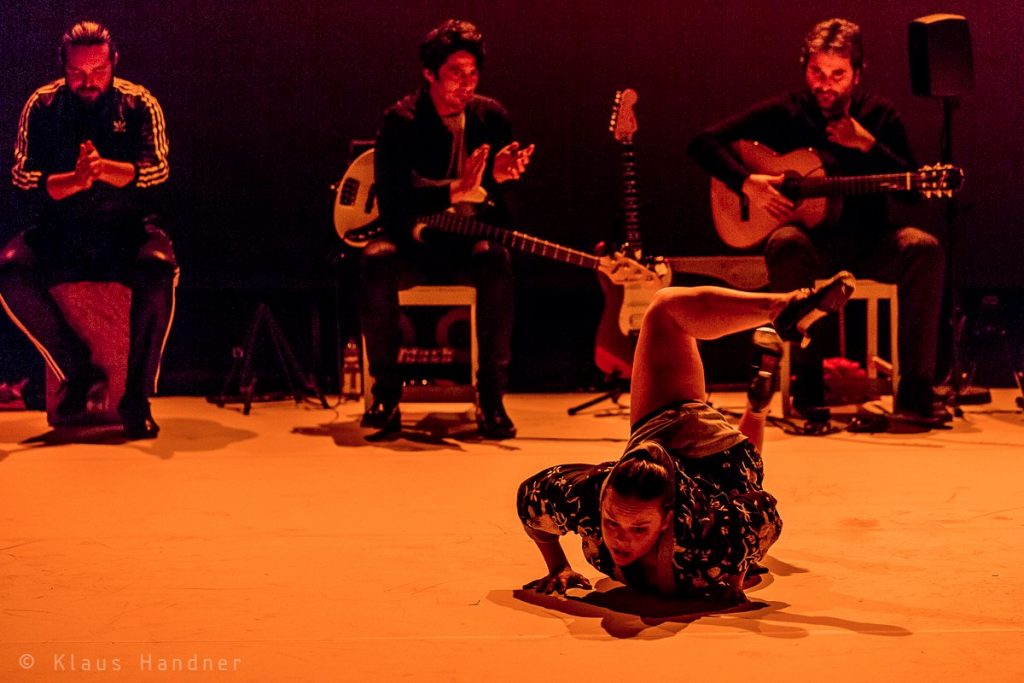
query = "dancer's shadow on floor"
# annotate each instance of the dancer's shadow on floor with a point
(428, 431)
(622, 612)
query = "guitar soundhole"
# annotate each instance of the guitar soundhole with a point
(349, 189)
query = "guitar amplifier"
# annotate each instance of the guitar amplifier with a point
(438, 347)
(435, 353)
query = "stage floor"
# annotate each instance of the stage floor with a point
(283, 546)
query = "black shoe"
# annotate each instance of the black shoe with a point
(931, 416)
(77, 393)
(923, 420)
(915, 404)
(493, 422)
(767, 352)
(819, 415)
(800, 313)
(383, 415)
(137, 419)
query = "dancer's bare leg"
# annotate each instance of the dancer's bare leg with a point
(667, 367)
(752, 426)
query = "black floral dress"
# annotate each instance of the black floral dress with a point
(724, 521)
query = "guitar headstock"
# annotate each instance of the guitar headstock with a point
(623, 123)
(940, 180)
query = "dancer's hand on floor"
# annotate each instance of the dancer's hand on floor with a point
(559, 581)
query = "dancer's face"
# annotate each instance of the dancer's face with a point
(630, 527)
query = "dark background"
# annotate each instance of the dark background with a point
(262, 98)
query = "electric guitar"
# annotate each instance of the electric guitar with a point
(355, 204)
(626, 302)
(355, 219)
(818, 198)
(617, 268)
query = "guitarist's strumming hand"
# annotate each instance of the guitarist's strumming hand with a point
(511, 162)
(621, 269)
(760, 190)
(466, 188)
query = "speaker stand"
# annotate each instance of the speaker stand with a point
(958, 382)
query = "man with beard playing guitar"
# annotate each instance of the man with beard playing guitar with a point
(856, 133)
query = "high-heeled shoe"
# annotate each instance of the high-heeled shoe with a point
(767, 352)
(796, 319)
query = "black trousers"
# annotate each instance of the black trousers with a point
(909, 257)
(28, 270)
(385, 268)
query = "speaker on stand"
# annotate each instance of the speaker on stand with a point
(942, 66)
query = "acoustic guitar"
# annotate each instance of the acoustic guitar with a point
(818, 197)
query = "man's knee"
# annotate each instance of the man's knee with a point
(158, 247)
(791, 259)
(378, 250)
(786, 241)
(919, 245)
(378, 262)
(492, 254)
(16, 252)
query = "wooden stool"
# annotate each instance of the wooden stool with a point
(872, 292)
(98, 312)
(440, 296)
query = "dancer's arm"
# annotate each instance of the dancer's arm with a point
(560, 576)
(552, 503)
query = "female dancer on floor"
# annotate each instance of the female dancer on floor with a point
(682, 512)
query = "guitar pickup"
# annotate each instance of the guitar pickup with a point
(349, 190)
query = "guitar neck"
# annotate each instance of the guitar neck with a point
(630, 203)
(862, 184)
(451, 223)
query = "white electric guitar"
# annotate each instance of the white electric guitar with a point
(356, 222)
